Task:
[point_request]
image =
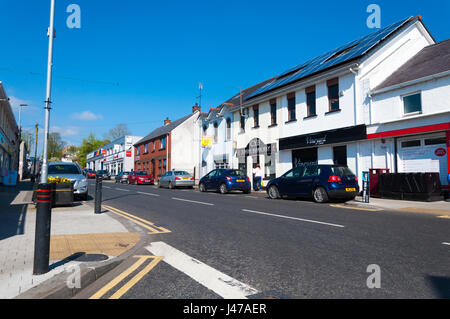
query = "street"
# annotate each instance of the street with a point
(272, 248)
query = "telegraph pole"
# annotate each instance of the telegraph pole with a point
(51, 34)
(35, 151)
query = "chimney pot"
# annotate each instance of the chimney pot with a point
(167, 121)
(196, 108)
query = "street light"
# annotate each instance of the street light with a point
(19, 140)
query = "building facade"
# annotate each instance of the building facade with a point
(115, 157)
(175, 145)
(320, 110)
(9, 137)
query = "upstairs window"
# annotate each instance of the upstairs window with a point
(256, 116)
(146, 148)
(138, 150)
(228, 132)
(310, 101)
(163, 143)
(273, 112)
(291, 106)
(216, 132)
(242, 122)
(333, 94)
(412, 103)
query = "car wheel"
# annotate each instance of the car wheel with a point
(247, 191)
(170, 185)
(201, 187)
(135, 182)
(320, 195)
(223, 189)
(273, 192)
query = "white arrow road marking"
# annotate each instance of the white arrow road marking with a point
(221, 284)
(446, 243)
(294, 218)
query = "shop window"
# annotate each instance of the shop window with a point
(436, 141)
(412, 103)
(340, 155)
(304, 156)
(413, 143)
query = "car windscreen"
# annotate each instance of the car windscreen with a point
(63, 169)
(341, 171)
(141, 173)
(102, 172)
(181, 173)
(235, 172)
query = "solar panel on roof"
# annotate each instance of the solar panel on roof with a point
(337, 56)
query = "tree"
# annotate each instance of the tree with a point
(55, 146)
(118, 131)
(28, 138)
(89, 144)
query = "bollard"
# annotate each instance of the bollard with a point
(98, 195)
(42, 232)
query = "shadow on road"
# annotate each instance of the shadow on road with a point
(441, 285)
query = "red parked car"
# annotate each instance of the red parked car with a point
(140, 178)
(90, 173)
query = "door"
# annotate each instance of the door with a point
(308, 179)
(208, 178)
(289, 184)
(216, 179)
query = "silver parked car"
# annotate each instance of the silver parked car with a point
(73, 172)
(175, 179)
(122, 177)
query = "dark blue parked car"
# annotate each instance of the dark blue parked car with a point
(321, 182)
(225, 180)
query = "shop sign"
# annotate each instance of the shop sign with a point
(128, 154)
(440, 152)
(256, 147)
(346, 134)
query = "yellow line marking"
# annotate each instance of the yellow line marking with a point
(121, 277)
(144, 223)
(356, 208)
(119, 293)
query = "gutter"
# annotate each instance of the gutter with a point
(409, 83)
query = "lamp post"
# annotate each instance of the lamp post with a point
(19, 141)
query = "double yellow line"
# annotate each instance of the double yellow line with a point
(121, 291)
(142, 222)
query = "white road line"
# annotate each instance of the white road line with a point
(251, 196)
(106, 187)
(294, 218)
(192, 201)
(220, 283)
(151, 194)
(446, 243)
(121, 189)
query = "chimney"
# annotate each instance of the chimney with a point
(166, 121)
(196, 108)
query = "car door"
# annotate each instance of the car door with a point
(290, 182)
(208, 179)
(308, 179)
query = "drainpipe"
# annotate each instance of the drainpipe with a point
(355, 70)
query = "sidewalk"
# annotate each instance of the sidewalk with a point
(83, 244)
(437, 207)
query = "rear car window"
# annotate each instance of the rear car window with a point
(341, 171)
(236, 173)
(181, 173)
(63, 169)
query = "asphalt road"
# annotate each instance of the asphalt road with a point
(282, 248)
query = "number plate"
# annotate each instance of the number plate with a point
(350, 189)
(240, 180)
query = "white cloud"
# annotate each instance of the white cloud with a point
(65, 131)
(87, 116)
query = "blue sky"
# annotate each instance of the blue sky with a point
(138, 62)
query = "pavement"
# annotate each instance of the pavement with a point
(83, 246)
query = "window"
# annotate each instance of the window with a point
(163, 142)
(436, 141)
(273, 112)
(340, 155)
(216, 132)
(138, 150)
(311, 171)
(242, 122)
(256, 116)
(204, 128)
(165, 165)
(311, 101)
(291, 107)
(228, 133)
(412, 103)
(146, 148)
(333, 94)
(153, 146)
(413, 143)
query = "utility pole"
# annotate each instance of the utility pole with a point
(51, 34)
(19, 142)
(35, 151)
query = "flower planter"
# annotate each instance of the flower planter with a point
(62, 194)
